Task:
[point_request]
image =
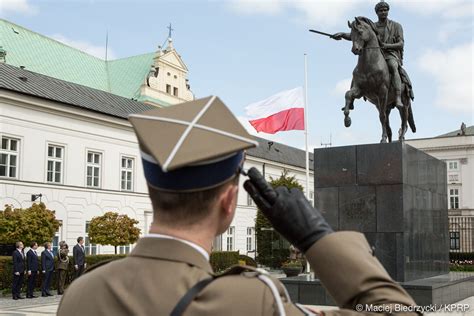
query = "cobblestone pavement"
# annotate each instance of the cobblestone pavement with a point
(29, 307)
(43, 306)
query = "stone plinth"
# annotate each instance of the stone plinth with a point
(396, 195)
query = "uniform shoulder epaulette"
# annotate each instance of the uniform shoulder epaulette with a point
(241, 269)
(277, 289)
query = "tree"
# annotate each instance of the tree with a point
(113, 229)
(36, 223)
(272, 248)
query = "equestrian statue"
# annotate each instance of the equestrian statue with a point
(379, 76)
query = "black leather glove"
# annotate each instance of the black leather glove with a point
(289, 211)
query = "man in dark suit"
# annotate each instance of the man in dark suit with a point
(33, 268)
(47, 262)
(18, 270)
(79, 255)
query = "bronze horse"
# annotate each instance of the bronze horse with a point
(371, 80)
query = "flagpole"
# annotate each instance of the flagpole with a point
(306, 122)
(308, 269)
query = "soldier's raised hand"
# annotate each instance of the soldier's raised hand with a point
(289, 211)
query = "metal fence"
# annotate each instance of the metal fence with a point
(461, 233)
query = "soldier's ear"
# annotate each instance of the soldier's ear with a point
(228, 199)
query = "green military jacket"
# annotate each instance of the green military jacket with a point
(159, 272)
(63, 259)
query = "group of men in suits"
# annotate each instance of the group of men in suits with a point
(32, 267)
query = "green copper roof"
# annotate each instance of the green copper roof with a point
(126, 75)
(47, 56)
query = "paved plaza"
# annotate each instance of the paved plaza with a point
(48, 306)
(29, 307)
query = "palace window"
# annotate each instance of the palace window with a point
(126, 174)
(94, 162)
(250, 238)
(168, 89)
(453, 198)
(175, 91)
(89, 248)
(454, 240)
(9, 153)
(217, 243)
(250, 201)
(230, 238)
(55, 164)
(123, 250)
(453, 165)
(57, 238)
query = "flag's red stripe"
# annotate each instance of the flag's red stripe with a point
(290, 119)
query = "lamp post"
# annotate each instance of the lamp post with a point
(34, 197)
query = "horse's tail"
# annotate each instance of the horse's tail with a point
(411, 120)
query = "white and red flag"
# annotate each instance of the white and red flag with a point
(283, 111)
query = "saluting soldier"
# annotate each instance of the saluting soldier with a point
(63, 264)
(192, 155)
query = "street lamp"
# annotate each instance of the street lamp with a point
(34, 197)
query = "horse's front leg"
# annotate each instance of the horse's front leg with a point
(351, 95)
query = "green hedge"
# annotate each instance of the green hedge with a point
(461, 256)
(249, 261)
(461, 267)
(6, 271)
(222, 260)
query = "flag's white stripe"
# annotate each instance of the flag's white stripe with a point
(185, 134)
(276, 103)
(207, 128)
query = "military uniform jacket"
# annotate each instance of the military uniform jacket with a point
(158, 272)
(63, 259)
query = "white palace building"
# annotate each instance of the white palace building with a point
(64, 135)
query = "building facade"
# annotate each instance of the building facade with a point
(64, 134)
(457, 150)
(158, 78)
(73, 145)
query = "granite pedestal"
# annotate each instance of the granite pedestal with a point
(443, 289)
(395, 195)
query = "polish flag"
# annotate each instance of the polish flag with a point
(283, 111)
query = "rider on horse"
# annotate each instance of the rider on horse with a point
(390, 35)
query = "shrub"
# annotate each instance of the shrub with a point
(35, 223)
(249, 261)
(222, 260)
(113, 229)
(6, 271)
(461, 265)
(272, 248)
(292, 263)
(461, 256)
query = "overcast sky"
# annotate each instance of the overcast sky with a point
(247, 50)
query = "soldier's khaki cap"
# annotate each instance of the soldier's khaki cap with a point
(190, 146)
